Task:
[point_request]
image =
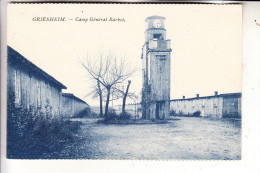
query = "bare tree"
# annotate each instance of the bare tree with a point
(97, 91)
(125, 96)
(108, 71)
(100, 98)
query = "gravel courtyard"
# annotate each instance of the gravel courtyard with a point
(181, 138)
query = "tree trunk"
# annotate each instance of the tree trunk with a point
(125, 96)
(143, 105)
(107, 102)
(100, 100)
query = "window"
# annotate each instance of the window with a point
(158, 36)
(17, 78)
(38, 96)
(161, 57)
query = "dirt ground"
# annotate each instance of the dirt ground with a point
(181, 138)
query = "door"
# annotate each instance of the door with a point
(157, 110)
(160, 110)
(202, 112)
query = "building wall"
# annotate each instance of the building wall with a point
(209, 107)
(160, 85)
(73, 107)
(160, 76)
(231, 107)
(214, 106)
(33, 92)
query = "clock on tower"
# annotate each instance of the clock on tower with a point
(157, 23)
(156, 58)
(155, 28)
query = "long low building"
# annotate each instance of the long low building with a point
(73, 106)
(216, 106)
(32, 89)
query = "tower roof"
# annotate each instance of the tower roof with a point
(154, 17)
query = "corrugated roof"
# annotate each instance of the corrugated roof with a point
(76, 98)
(207, 97)
(15, 57)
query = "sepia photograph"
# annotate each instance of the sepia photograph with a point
(124, 81)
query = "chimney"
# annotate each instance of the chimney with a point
(197, 95)
(216, 93)
(183, 97)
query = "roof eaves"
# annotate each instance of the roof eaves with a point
(206, 97)
(21, 58)
(73, 96)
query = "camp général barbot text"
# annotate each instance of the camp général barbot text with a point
(78, 19)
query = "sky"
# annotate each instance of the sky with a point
(206, 42)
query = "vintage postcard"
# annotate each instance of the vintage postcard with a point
(124, 81)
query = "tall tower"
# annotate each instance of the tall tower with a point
(156, 55)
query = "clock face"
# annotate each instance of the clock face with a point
(157, 23)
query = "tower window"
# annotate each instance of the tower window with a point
(161, 57)
(158, 36)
